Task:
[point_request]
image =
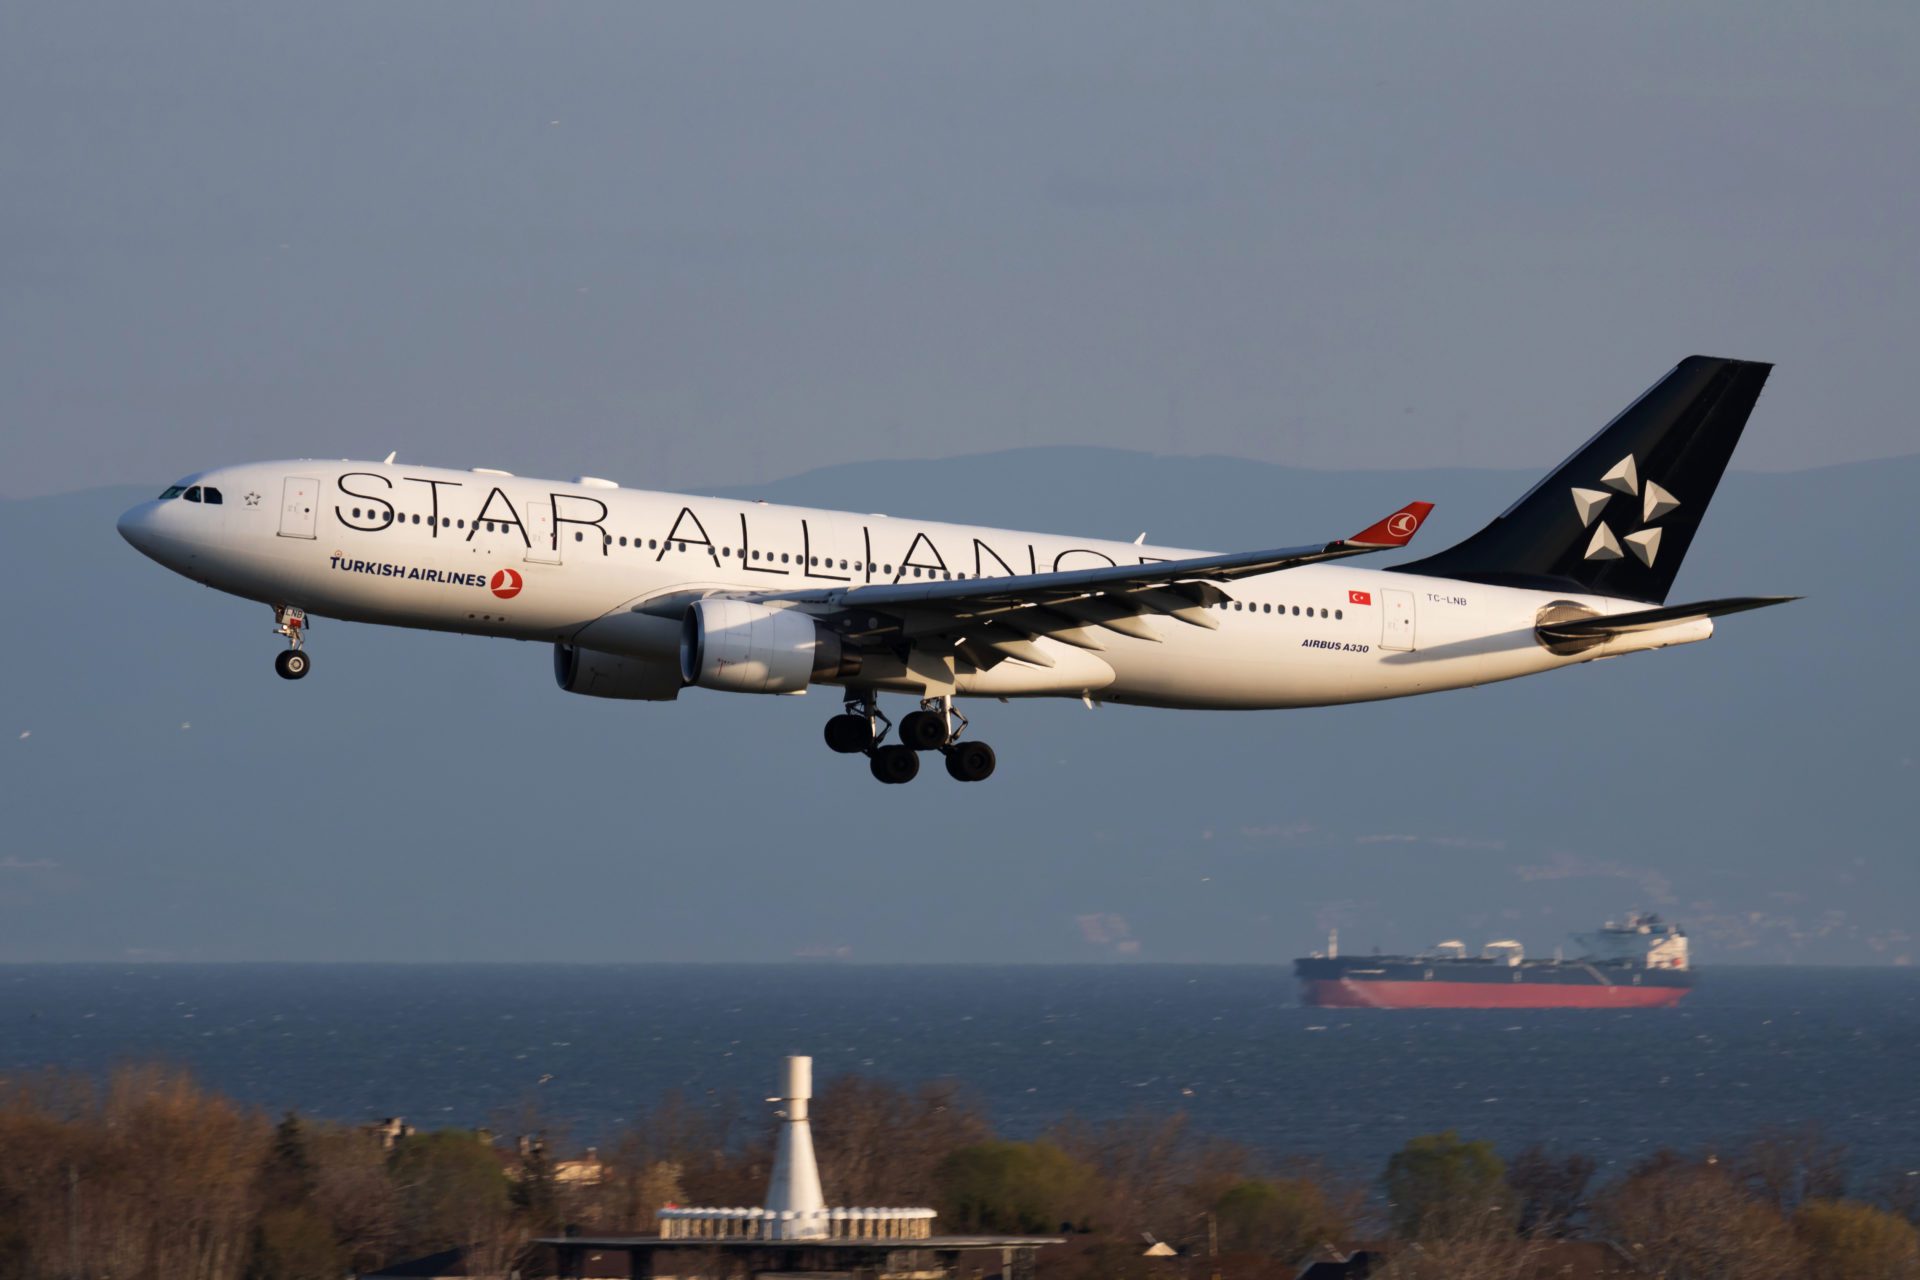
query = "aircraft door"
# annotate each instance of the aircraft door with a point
(300, 507)
(544, 548)
(1396, 620)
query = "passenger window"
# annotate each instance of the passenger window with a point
(356, 513)
(1338, 614)
(1323, 613)
(193, 494)
(1266, 608)
(416, 517)
(446, 522)
(579, 536)
(212, 496)
(1296, 611)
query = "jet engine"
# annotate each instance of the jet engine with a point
(614, 675)
(743, 647)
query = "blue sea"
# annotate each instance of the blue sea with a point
(1229, 1046)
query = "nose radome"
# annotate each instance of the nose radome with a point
(129, 524)
(136, 526)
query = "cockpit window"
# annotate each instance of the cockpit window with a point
(173, 491)
(193, 494)
(211, 494)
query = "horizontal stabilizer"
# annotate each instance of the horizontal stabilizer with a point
(1621, 624)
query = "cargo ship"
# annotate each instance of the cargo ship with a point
(1638, 963)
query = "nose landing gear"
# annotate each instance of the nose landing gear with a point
(936, 726)
(292, 662)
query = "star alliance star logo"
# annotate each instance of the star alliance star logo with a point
(253, 499)
(1655, 502)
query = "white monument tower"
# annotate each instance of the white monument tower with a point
(795, 1209)
(793, 1193)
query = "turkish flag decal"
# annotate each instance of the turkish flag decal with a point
(1359, 597)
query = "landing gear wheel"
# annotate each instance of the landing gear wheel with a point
(291, 664)
(970, 761)
(894, 765)
(850, 734)
(924, 730)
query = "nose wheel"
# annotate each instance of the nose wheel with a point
(292, 662)
(862, 730)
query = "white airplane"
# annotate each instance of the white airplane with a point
(643, 594)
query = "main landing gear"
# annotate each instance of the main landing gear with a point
(936, 726)
(292, 662)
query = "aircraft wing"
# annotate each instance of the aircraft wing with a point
(1000, 616)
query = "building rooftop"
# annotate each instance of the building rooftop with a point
(960, 1242)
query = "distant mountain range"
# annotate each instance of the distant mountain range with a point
(432, 797)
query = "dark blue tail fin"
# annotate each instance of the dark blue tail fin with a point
(1618, 516)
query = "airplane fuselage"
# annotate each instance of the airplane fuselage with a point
(598, 567)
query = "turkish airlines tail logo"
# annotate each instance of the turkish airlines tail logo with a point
(506, 584)
(1396, 530)
(1359, 597)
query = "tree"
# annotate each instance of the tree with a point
(1154, 1174)
(1014, 1186)
(1695, 1221)
(453, 1192)
(294, 1244)
(287, 1164)
(1549, 1191)
(354, 1192)
(1281, 1218)
(877, 1141)
(1441, 1186)
(1790, 1165)
(1849, 1241)
(702, 1144)
(171, 1187)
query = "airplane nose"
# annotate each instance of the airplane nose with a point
(136, 526)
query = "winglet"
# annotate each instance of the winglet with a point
(1396, 530)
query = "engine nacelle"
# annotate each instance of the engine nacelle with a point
(614, 675)
(748, 648)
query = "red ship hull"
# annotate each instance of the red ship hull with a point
(1352, 994)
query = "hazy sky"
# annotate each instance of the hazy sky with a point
(711, 245)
